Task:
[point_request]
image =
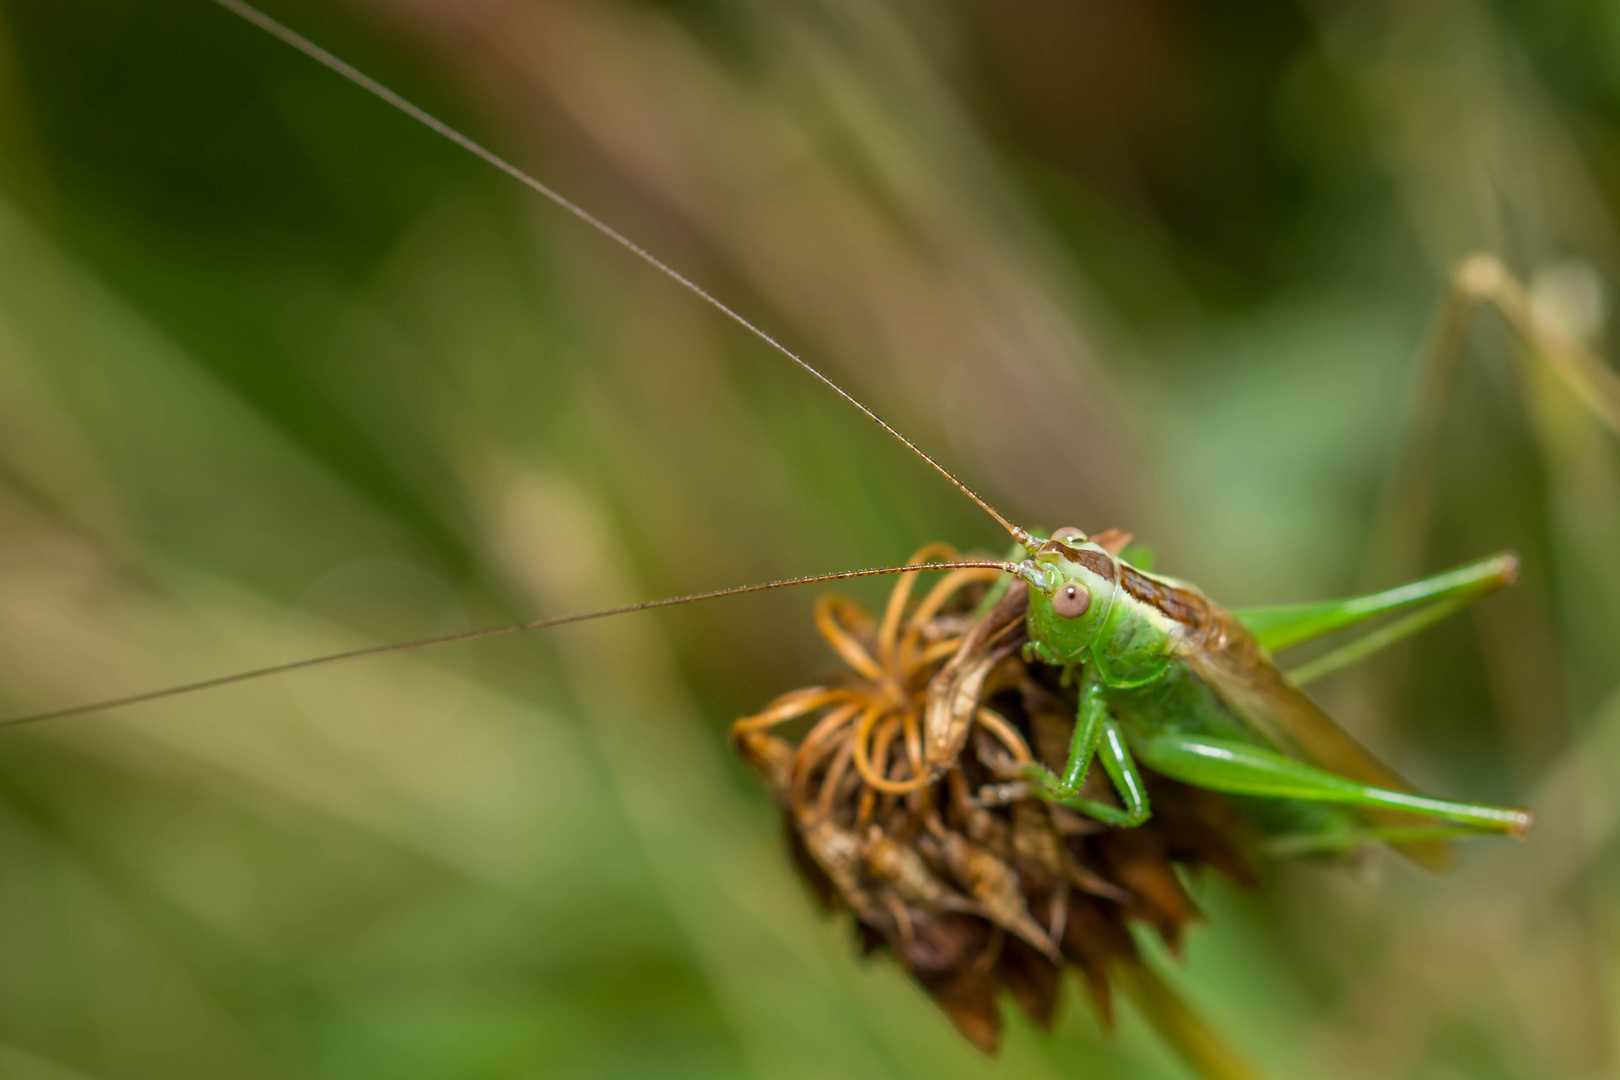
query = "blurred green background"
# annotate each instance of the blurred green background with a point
(282, 373)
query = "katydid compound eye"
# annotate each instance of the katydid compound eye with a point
(1071, 601)
(1069, 535)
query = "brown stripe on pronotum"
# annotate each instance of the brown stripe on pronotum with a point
(1187, 608)
(1095, 561)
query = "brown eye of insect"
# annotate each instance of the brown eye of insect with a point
(1071, 601)
(1069, 535)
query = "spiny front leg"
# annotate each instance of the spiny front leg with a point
(1096, 734)
(1090, 719)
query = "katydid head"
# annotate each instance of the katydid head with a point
(1071, 591)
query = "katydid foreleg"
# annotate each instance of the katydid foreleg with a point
(1096, 734)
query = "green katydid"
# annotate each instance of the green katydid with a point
(1190, 689)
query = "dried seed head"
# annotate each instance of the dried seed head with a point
(995, 886)
(902, 806)
(903, 870)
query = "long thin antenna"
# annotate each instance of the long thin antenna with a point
(366, 82)
(492, 631)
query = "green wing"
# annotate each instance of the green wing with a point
(1256, 690)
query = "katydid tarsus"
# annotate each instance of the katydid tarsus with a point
(1168, 678)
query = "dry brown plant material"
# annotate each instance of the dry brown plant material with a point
(970, 891)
